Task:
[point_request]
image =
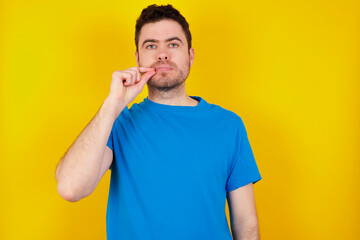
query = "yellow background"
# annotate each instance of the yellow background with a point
(290, 69)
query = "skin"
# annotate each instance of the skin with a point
(88, 158)
(164, 43)
(243, 217)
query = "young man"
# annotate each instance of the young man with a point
(174, 158)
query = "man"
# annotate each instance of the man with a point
(173, 158)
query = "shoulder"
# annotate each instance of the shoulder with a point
(229, 120)
(125, 113)
(227, 115)
(128, 112)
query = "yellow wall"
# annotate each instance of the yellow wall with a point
(290, 69)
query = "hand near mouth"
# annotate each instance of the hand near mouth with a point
(129, 83)
(146, 73)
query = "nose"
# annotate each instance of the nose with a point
(163, 53)
(163, 56)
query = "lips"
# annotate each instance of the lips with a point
(163, 68)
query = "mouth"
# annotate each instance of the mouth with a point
(163, 68)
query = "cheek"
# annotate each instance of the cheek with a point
(143, 62)
(185, 62)
(144, 59)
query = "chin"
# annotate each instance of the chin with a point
(163, 83)
(160, 82)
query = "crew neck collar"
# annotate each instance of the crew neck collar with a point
(160, 106)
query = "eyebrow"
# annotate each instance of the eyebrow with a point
(167, 40)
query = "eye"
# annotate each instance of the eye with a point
(174, 45)
(150, 46)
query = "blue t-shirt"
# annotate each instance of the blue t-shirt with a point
(172, 169)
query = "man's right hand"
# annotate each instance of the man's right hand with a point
(88, 158)
(129, 83)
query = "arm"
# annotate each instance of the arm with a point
(88, 158)
(243, 217)
(78, 172)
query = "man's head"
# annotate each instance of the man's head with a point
(163, 41)
(154, 13)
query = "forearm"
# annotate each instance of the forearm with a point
(79, 169)
(246, 231)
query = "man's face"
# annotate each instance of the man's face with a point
(162, 45)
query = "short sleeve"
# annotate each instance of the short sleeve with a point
(244, 169)
(110, 144)
(113, 140)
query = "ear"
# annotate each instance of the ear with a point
(191, 54)
(137, 58)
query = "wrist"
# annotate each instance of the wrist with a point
(113, 106)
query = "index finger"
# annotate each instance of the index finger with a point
(145, 69)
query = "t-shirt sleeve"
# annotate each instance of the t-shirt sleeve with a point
(113, 140)
(110, 144)
(244, 169)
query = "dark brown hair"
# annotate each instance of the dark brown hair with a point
(155, 13)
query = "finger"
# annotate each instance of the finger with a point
(130, 80)
(146, 76)
(126, 78)
(138, 76)
(145, 69)
(136, 70)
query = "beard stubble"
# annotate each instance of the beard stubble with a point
(166, 83)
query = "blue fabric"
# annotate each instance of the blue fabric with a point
(172, 169)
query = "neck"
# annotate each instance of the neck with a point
(176, 96)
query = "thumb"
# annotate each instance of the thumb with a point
(145, 77)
